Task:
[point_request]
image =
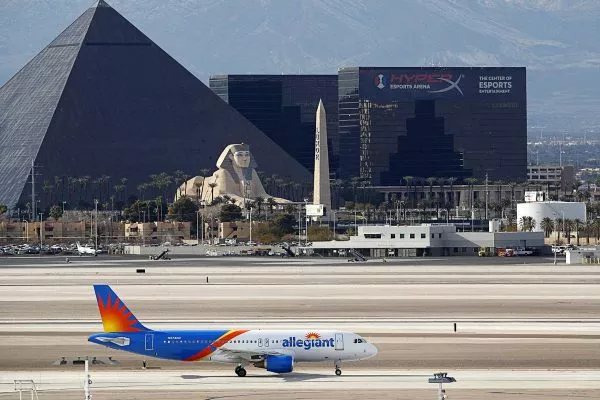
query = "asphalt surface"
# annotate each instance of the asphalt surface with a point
(535, 322)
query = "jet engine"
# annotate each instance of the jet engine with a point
(277, 364)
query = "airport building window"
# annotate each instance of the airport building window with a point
(423, 236)
(393, 236)
(433, 235)
(372, 235)
(464, 249)
(412, 235)
(440, 235)
(455, 249)
(402, 236)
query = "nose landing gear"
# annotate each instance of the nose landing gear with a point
(240, 371)
(338, 366)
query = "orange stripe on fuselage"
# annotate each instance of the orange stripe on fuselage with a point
(208, 350)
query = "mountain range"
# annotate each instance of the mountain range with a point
(557, 40)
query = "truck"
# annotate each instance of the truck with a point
(521, 251)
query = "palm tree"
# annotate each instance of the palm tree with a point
(118, 189)
(548, 226)
(471, 181)
(58, 184)
(336, 185)
(409, 180)
(355, 183)
(47, 188)
(271, 203)
(212, 186)
(451, 181)
(431, 180)
(568, 226)
(577, 223)
(83, 182)
(527, 224)
(442, 183)
(589, 230)
(510, 220)
(259, 201)
(141, 190)
(558, 227)
(124, 184)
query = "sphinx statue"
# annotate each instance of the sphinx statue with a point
(235, 177)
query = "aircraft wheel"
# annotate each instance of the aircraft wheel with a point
(338, 371)
(240, 371)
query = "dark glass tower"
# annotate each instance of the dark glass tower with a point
(440, 122)
(425, 151)
(104, 100)
(284, 108)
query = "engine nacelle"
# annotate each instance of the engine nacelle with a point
(277, 364)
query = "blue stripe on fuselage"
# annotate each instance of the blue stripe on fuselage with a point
(171, 345)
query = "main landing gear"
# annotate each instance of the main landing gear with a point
(338, 370)
(240, 371)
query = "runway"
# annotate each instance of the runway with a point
(530, 329)
(311, 383)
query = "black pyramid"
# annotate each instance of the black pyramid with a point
(103, 99)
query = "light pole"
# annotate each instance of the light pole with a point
(63, 204)
(96, 231)
(202, 229)
(26, 229)
(299, 224)
(306, 220)
(486, 196)
(250, 225)
(197, 228)
(41, 232)
(333, 212)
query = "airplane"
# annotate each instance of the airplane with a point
(86, 250)
(274, 350)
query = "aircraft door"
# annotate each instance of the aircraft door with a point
(259, 342)
(339, 341)
(266, 342)
(149, 341)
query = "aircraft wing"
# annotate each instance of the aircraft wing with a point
(252, 356)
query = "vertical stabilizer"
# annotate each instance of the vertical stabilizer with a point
(115, 315)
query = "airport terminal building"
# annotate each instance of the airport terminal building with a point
(432, 122)
(427, 240)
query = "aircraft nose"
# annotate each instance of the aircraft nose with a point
(372, 350)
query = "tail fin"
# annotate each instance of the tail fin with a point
(115, 315)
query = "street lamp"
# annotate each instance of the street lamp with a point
(250, 225)
(333, 212)
(306, 219)
(41, 232)
(96, 238)
(63, 204)
(197, 227)
(26, 229)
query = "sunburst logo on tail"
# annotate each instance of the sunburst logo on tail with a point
(313, 335)
(115, 316)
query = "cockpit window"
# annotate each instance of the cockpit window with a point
(359, 340)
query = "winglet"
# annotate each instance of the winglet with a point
(115, 315)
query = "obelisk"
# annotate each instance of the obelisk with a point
(322, 190)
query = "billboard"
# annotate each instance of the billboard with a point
(533, 196)
(315, 210)
(481, 83)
